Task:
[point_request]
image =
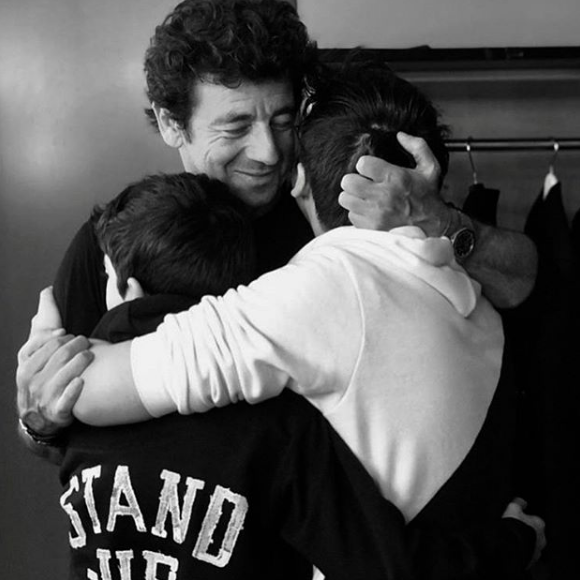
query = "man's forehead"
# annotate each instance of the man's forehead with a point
(216, 102)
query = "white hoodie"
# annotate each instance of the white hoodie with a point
(382, 331)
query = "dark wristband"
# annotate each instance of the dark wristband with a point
(54, 440)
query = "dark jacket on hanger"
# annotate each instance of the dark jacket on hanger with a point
(545, 331)
(576, 234)
(481, 203)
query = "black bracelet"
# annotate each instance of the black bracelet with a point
(54, 440)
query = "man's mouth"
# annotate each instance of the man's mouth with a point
(258, 174)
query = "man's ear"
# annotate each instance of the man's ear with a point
(134, 290)
(299, 185)
(170, 130)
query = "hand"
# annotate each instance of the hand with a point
(515, 509)
(382, 196)
(48, 365)
(49, 383)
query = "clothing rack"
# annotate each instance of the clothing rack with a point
(539, 143)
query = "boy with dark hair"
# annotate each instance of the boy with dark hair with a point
(178, 234)
(245, 492)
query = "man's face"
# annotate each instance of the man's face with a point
(243, 136)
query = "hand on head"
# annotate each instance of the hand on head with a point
(382, 196)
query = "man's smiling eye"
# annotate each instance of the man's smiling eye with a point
(236, 131)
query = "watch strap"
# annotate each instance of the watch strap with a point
(53, 440)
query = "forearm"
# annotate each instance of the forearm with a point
(109, 395)
(505, 263)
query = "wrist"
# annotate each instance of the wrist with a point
(460, 229)
(52, 438)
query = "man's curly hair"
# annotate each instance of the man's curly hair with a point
(228, 42)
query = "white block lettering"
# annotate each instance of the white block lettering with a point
(122, 487)
(81, 539)
(88, 476)
(169, 504)
(154, 560)
(210, 522)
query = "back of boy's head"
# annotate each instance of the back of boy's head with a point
(177, 234)
(357, 111)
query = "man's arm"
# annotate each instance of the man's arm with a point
(76, 302)
(383, 196)
(49, 364)
(109, 395)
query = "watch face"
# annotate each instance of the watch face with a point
(463, 242)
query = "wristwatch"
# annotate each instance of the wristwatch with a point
(463, 242)
(461, 232)
(54, 440)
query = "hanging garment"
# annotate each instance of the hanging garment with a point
(576, 233)
(545, 332)
(481, 203)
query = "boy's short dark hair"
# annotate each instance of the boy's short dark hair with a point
(357, 110)
(226, 42)
(177, 234)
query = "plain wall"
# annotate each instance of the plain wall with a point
(72, 133)
(441, 23)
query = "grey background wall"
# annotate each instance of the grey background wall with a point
(72, 134)
(441, 24)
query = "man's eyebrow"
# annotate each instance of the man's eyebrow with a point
(232, 118)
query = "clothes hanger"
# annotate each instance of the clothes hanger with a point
(471, 162)
(481, 201)
(551, 178)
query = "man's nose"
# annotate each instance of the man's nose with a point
(263, 146)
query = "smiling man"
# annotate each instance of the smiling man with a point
(243, 136)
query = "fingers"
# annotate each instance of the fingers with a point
(66, 353)
(352, 203)
(36, 341)
(33, 363)
(373, 168)
(47, 316)
(72, 368)
(48, 383)
(426, 162)
(64, 406)
(354, 183)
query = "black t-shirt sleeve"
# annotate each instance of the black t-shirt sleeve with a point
(80, 283)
